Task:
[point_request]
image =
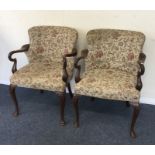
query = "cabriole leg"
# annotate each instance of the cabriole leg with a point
(136, 109)
(13, 95)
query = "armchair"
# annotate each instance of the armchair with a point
(50, 66)
(114, 65)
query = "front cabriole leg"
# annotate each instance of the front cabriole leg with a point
(136, 109)
(13, 95)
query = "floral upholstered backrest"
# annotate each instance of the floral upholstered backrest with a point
(110, 48)
(49, 43)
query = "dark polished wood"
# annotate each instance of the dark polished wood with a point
(24, 48)
(75, 101)
(13, 95)
(65, 79)
(62, 108)
(141, 61)
(76, 111)
(65, 74)
(136, 109)
(136, 106)
(84, 54)
(12, 88)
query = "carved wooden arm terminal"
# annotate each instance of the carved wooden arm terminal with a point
(84, 54)
(24, 48)
(141, 61)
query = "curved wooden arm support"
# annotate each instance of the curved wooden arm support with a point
(141, 61)
(78, 67)
(84, 54)
(24, 48)
(65, 74)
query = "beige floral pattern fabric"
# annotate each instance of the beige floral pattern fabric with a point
(118, 49)
(108, 84)
(40, 76)
(111, 65)
(48, 44)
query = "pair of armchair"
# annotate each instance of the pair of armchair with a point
(113, 66)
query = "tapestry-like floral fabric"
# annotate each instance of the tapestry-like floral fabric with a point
(118, 49)
(47, 46)
(40, 76)
(108, 84)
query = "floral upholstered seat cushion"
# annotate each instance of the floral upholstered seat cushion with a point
(40, 76)
(108, 84)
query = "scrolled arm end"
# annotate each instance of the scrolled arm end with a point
(24, 48)
(142, 57)
(141, 61)
(84, 54)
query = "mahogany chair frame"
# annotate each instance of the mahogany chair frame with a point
(61, 95)
(136, 106)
